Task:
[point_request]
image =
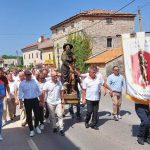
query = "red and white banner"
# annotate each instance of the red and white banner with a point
(137, 65)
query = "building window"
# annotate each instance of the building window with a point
(109, 42)
(32, 55)
(36, 55)
(24, 56)
(63, 29)
(109, 20)
(56, 31)
(29, 56)
(41, 55)
(72, 25)
(49, 56)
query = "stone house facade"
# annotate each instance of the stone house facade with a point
(46, 48)
(101, 26)
(31, 55)
(38, 53)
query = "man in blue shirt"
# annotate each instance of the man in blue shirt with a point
(30, 92)
(116, 82)
(2, 95)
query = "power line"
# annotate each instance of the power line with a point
(35, 34)
(96, 22)
(23, 34)
(141, 7)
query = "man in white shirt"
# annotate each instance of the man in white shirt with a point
(29, 91)
(55, 96)
(22, 108)
(11, 98)
(91, 95)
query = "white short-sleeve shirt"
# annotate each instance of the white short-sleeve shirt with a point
(93, 88)
(53, 92)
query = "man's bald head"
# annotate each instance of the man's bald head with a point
(21, 75)
(54, 76)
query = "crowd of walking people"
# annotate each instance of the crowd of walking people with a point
(41, 92)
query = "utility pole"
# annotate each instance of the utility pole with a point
(58, 57)
(140, 19)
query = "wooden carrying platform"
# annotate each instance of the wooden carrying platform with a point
(71, 99)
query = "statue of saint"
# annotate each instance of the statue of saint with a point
(67, 68)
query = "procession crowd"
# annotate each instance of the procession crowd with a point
(41, 92)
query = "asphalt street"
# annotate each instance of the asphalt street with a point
(112, 135)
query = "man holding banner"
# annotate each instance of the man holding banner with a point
(137, 68)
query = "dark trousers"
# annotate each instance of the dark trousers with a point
(41, 111)
(77, 105)
(92, 109)
(143, 113)
(72, 111)
(46, 111)
(32, 104)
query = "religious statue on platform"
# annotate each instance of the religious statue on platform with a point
(67, 68)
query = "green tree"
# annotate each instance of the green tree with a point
(82, 49)
(8, 57)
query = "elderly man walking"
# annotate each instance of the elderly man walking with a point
(55, 97)
(116, 82)
(91, 95)
(30, 92)
(22, 108)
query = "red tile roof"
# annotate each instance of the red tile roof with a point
(34, 44)
(95, 13)
(106, 56)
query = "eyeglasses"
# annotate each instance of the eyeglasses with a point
(116, 69)
(27, 74)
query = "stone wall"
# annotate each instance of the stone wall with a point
(35, 57)
(116, 62)
(98, 33)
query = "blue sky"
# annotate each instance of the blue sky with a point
(23, 21)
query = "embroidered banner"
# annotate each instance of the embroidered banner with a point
(137, 65)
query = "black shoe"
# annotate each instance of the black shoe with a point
(140, 140)
(78, 117)
(147, 140)
(86, 125)
(62, 133)
(55, 130)
(95, 127)
(64, 115)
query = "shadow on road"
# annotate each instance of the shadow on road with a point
(102, 121)
(12, 121)
(135, 130)
(17, 138)
(124, 112)
(104, 113)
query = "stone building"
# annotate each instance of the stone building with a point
(101, 26)
(39, 53)
(46, 48)
(107, 59)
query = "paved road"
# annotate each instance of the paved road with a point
(111, 135)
